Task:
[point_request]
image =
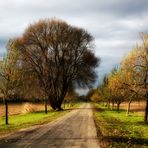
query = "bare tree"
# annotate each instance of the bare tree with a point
(10, 76)
(60, 55)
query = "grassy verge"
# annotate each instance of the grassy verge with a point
(17, 122)
(116, 130)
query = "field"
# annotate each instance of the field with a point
(137, 107)
(116, 130)
(22, 108)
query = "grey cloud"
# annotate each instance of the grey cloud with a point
(115, 24)
(107, 64)
(3, 42)
(123, 8)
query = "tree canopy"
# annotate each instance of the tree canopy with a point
(60, 55)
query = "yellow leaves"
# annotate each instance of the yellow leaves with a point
(96, 96)
(114, 81)
(134, 67)
(132, 75)
(9, 72)
(129, 61)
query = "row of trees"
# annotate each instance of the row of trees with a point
(129, 81)
(50, 59)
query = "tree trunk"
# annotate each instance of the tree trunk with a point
(59, 105)
(128, 107)
(45, 106)
(146, 108)
(6, 111)
(108, 104)
(59, 108)
(113, 104)
(118, 106)
(52, 102)
(64, 104)
(55, 102)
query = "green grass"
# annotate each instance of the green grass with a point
(115, 129)
(17, 122)
(29, 119)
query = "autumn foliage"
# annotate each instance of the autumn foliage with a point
(129, 81)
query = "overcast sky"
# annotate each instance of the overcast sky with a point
(115, 24)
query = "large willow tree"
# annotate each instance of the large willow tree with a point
(60, 55)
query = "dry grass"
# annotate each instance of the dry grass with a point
(20, 108)
(137, 107)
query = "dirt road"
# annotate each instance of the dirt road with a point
(74, 130)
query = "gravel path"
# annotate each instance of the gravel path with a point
(74, 130)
